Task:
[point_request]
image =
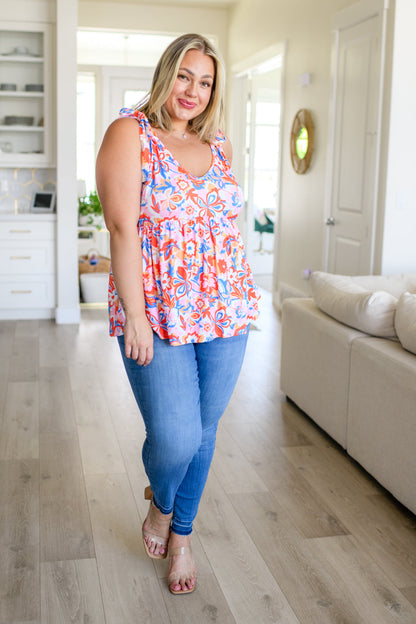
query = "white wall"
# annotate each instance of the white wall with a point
(305, 26)
(29, 11)
(399, 242)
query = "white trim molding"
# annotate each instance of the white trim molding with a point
(364, 9)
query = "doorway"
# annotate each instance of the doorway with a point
(258, 98)
(114, 70)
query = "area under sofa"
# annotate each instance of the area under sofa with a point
(359, 388)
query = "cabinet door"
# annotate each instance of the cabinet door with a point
(21, 293)
(22, 259)
(27, 267)
(25, 95)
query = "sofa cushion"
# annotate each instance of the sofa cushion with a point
(352, 304)
(381, 433)
(405, 321)
(393, 284)
(315, 364)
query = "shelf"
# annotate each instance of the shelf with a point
(25, 59)
(91, 228)
(22, 129)
(20, 59)
(22, 94)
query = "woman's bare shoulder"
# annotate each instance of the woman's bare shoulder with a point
(124, 128)
(121, 141)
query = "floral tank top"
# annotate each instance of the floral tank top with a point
(197, 283)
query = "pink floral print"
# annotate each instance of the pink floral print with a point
(197, 283)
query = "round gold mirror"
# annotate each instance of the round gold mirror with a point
(301, 141)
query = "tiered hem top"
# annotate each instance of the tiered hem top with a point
(197, 283)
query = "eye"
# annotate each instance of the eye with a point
(206, 85)
(183, 77)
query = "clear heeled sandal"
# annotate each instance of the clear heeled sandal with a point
(182, 574)
(151, 538)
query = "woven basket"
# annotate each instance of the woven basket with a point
(102, 266)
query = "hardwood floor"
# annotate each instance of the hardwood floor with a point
(290, 530)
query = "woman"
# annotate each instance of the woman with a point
(181, 294)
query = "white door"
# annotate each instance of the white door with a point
(123, 86)
(126, 92)
(355, 149)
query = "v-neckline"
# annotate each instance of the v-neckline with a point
(176, 161)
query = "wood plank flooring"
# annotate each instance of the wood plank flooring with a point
(290, 529)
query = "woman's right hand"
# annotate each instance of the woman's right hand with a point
(138, 340)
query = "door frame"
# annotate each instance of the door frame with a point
(237, 121)
(347, 18)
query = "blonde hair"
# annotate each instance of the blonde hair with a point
(211, 119)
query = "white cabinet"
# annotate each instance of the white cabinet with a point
(27, 267)
(26, 110)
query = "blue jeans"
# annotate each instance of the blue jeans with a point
(181, 395)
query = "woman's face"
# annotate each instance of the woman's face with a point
(193, 86)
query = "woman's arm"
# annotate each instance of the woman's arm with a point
(118, 176)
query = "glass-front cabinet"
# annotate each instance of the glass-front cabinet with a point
(25, 95)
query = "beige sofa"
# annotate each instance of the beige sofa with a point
(360, 388)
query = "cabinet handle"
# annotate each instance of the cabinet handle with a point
(20, 231)
(21, 292)
(20, 257)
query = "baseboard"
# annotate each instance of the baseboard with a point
(23, 314)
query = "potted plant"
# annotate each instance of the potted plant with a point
(90, 211)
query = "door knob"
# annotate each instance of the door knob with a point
(330, 221)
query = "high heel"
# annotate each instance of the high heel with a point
(149, 538)
(182, 574)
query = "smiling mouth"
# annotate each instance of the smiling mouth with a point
(187, 104)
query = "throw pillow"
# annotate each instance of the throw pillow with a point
(393, 284)
(405, 321)
(353, 305)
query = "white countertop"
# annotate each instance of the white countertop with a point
(28, 216)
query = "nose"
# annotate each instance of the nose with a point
(191, 88)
